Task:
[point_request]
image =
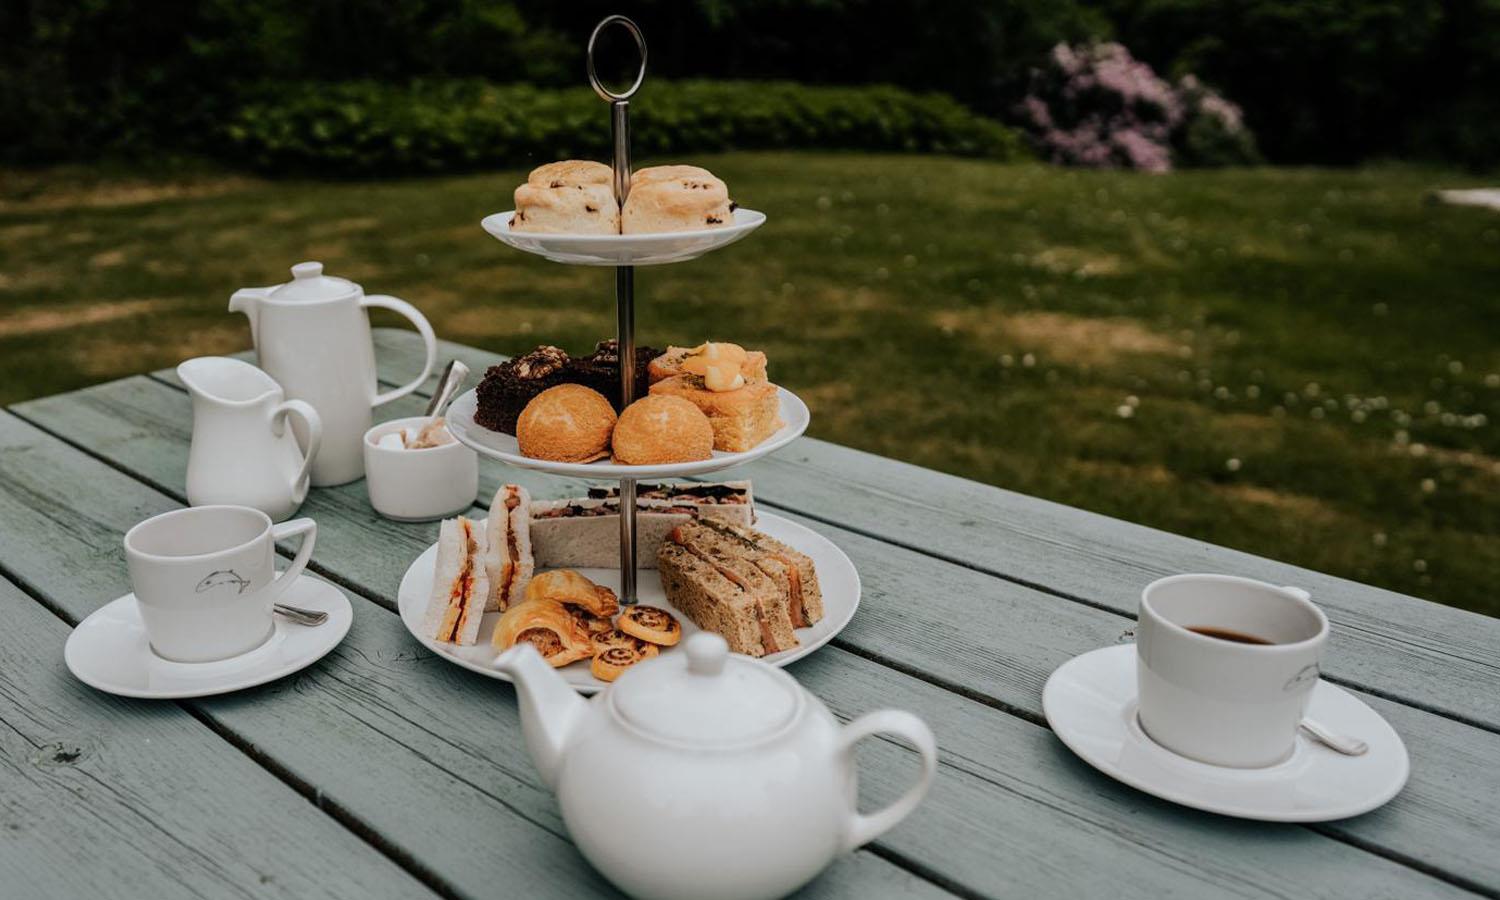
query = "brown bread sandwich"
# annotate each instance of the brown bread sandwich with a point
(716, 582)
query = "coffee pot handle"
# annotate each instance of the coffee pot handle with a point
(396, 304)
(864, 828)
(314, 436)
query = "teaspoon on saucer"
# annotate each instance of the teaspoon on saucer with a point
(1349, 746)
(300, 616)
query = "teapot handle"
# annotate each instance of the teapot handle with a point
(396, 304)
(864, 828)
(314, 436)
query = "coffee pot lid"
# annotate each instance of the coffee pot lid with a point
(706, 696)
(309, 283)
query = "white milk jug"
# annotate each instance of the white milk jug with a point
(242, 452)
(312, 335)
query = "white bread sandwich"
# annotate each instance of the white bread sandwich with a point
(508, 561)
(584, 532)
(459, 585)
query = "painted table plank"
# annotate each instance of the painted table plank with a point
(1110, 626)
(1390, 644)
(445, 785)
(103, 797)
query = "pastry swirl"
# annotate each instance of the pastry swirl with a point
(610, 662)
(651, 623)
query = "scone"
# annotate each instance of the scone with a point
(567, 423)
(574, 196)
(740, 418)
(675, 198)
(657, 429)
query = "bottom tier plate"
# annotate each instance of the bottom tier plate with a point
(836, 577)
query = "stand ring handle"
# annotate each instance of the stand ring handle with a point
(640, 42)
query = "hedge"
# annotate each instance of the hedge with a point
(366, 128)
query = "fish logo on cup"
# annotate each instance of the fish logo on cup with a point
(1307, 675)
(223, 577)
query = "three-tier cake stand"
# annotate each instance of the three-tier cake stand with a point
(624, 252)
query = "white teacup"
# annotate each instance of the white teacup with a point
(1219, 700)
(205, 578)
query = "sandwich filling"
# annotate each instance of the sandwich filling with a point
(463, 585)
(512, 549)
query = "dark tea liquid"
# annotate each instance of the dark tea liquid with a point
(1224, 634)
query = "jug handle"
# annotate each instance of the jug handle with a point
(862, 827)
(396, 304)
(314, 436)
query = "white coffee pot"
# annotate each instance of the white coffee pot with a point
(312, 334)
(701, 774)
(242, 453)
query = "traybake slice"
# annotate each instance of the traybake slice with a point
(741, 418)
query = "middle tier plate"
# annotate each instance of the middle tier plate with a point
(495, 445)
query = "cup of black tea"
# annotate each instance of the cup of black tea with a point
(1225, 667)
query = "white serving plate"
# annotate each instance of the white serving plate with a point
(504, 447)
(836, 577)
(623, 249)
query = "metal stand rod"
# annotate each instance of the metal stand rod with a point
(625, 332)
(619, 128)
(619, 122)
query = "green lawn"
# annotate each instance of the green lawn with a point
(1304, 364)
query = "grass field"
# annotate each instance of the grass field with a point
(1303, 364)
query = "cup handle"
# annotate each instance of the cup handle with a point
(314, 436)
(309, 529)
(865, 828)
(396, 304)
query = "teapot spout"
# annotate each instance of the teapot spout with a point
(550, 708)
(247, 301)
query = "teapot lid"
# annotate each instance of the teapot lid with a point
(706, 697)
(309, 283)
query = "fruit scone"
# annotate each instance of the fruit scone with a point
(574, 196)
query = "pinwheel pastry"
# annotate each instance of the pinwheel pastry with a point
(651, 623)
(614, 637)
(610, 662)
(546, 626)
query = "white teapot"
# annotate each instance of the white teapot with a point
(312, 335)
(702, 774)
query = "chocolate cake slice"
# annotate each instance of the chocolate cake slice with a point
(600, 370)
(509, 386)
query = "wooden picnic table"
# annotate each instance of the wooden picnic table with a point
(383, 771)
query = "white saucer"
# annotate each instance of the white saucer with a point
(504, 447)
(109, 651)
(837, 579)
(623, 249)
(1090, 702)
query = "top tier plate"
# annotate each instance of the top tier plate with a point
(623, 249)
(495, 445)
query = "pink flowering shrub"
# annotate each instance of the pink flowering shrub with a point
(1098, 106)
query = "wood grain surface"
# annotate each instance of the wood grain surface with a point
(424, 761)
